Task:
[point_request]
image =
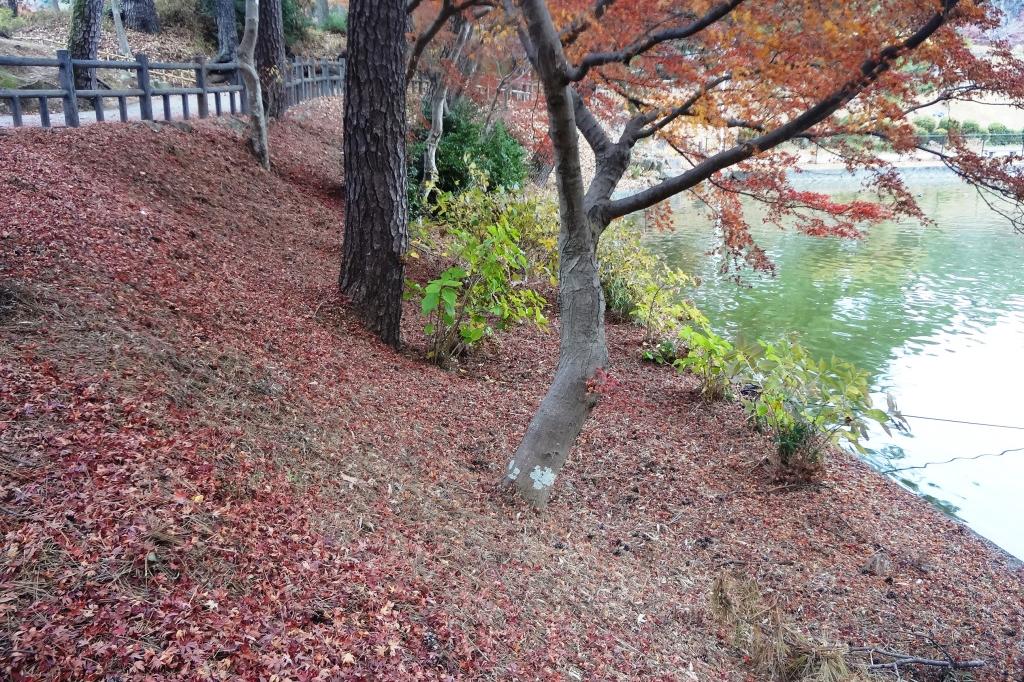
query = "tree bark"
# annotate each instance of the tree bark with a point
(13, 6)
(122, 39)
(247, 64)
(84, 35)
(55, 5)
(438, 103)
(376, 204)
(227, 31)
(322, 10)
(140, 15)
(583, 349)
(270, 57)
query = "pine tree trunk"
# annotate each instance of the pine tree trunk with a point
(227, 31)
(84, 35)
(270, 57)
(376, 204)
(140, 15)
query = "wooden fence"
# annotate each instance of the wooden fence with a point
(305, 79)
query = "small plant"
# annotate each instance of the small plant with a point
(9, 23)
(713, 360)
(336, 22)
(809, 404)
(487, 288)
(640, 287)
(665, 352)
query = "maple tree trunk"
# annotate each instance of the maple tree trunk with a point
(582, 349)
(140, 15)
(84, 35)
(247, 64)
(270, 57)
(376, 203)
(227, 30)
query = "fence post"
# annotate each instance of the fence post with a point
(146, 99)
(204, 105)
(67, 84)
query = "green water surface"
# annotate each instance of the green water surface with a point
(935, 314)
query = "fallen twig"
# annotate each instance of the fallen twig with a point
(901, 659)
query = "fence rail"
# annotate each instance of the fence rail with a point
(305, 79)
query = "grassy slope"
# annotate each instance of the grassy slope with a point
(208, 469)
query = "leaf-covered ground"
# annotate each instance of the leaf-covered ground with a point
(209, 470)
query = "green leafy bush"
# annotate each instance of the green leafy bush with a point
(465, 143)
(640, 287)
(713, 360)
(336, 22)
(487, 287)
(8, 22)
(925, 123)
(809, 404)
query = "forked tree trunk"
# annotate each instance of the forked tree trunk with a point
(227, 31)
(582, 350)
(376, 204)
(140, 15)
(84, 35)
(438, 104)
(247, 64)
(270, 57)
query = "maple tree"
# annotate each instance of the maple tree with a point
(762, 74)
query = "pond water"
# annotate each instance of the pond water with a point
(934, 313)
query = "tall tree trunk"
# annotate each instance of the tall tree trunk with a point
(322, 11)
(84, 35)
(227, 30)
(13, 6)
(55, 5)
(247, 63)
(583, 349)
(270, 57)
(122, 39)
(140, 15)
(376, 204)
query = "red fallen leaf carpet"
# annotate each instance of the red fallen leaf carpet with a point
(209, 471)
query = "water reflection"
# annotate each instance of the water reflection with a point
(934, 313)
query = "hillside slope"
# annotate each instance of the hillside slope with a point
(210, 471)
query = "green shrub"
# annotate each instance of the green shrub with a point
(999, 129)
(973, 128)
(713, 360)
(8, 22)
(640, 287)
(464, 143)
(336, 22)
(809, 404)
(487, 287)
(925, 123)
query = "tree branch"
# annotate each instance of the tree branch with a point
(679, 33)
(870, 71)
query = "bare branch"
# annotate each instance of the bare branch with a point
(643, 45)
